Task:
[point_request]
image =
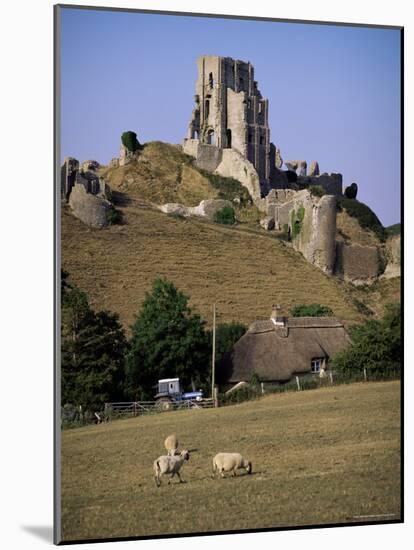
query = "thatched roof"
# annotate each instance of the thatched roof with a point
(277, 352)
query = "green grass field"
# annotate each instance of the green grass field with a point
(324, 456)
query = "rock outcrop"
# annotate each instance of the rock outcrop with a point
(235, 165)
(206, 209)
(90, 209)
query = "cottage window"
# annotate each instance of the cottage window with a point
(316, 365)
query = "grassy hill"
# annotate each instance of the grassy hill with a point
(324, 456)
(243, 269)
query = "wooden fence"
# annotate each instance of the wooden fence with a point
(136, 408)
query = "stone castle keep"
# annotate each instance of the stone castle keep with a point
(229, 132)
(230, 111)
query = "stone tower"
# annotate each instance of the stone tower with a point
(230, 111)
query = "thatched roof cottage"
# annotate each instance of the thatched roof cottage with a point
(280, 348)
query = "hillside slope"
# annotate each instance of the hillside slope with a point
(243, 272)
(243, 269)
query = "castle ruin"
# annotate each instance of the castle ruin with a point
(229, 132)
(87, 194)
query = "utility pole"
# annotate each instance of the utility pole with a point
(213, 359)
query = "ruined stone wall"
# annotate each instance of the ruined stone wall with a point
(332, 183)
(356, 263)
(315, 220)
(236, 119)
(68, 172)
(208, 157)
(393, 257)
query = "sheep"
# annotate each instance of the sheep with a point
(169, 465)
(230, 462)
(171, 444)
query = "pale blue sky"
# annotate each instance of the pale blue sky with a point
(334, 92)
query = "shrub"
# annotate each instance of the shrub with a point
(245, 393)
(225, 216)
(297, 219)
(351, 191)
(317, 190)
(130, 141)
(393, 229)
(115, 216)
(365, 216)
(311, 310)
(228, 188)
(362, 308)
(376, 346)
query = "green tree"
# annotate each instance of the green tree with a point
(227, 334)
(311, 310)
(130, 141)
(168, 340)
(92, 353)
(376, 345)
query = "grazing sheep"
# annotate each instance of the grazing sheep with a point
(230, 462)
(171, 444)
(169, 465)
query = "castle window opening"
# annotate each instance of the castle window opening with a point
(260, 107)
(211, 138)
(210, 80)
(250, 138)
(207, 108)
(261, 140)
(228, 136)
(249, 103)
(241, 83)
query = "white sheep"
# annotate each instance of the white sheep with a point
(230, 462)
(169, 465)
(171, 444)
